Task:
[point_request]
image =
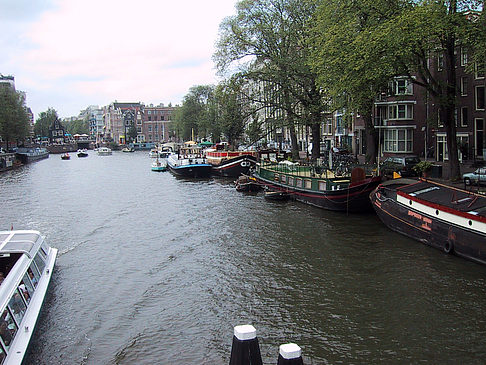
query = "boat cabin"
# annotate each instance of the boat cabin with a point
(26, 263)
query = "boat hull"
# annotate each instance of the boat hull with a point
(191, 171)
(449, 235)
(354, 198)
(235, 167)
(29, 156)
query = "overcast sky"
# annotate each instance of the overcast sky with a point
(68, 54)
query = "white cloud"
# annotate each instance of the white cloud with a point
(95, 51)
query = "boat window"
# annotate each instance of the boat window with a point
(308, 184)
(291, 181)
(283, 179)
(39, 261)
(322, 185)
(33, 274)
(8, 329)
(43, 251)
(298, 183)
(17, 306)
(27, 288)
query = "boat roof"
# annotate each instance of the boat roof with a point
(18, 242)
(447, 196)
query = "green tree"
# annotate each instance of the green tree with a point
(231, 114)
(192, 116)
(398, 38)
(266, 42)
(132, 132)
(14, 118)
(78, 126)
(45, 119)
(349, 66)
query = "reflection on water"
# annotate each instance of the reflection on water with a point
(155, 269)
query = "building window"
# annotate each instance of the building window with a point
(479, 71)
(464, 86)
(400, 111)
(440, 62)
(402, 87)
(463, 57)
(327, 127)
(398, 140)
(480, 98)
(150, 128)
(464, 117)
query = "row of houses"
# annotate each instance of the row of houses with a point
(129, 122)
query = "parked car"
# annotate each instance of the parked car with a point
(400, 164)
(478, 176)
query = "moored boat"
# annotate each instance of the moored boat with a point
(449, 219)
(159, 165)
(104, 151)
(28, 155)
(189, 162)
(65, 156)
(230, 163)
(319, 186)
(247, 183)
(27, 262)
(128, 149)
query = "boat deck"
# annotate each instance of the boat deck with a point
(302, 171)
(447, 196)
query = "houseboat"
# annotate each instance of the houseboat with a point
(189, 162)
(31, 154)
(230, 163)
(318, 186)
(26, 266)
(449, 219)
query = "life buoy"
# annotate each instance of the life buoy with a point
(448, 246)
(244, 164)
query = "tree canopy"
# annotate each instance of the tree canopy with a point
(360, 44)
(45, 119)
(14, 118)
(266, 43)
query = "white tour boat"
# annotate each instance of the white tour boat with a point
(26, 262)
(104, 151)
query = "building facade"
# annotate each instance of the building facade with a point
(155, 121)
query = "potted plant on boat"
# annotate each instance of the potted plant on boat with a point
(422, 168)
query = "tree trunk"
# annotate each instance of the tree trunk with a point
(450, 102)
(370, 132)
(316, 137)
(293, 141)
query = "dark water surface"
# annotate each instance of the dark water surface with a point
(157, 270)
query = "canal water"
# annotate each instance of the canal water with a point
(153, 269)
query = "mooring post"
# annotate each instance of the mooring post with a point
(290, 354)
(245, 349)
